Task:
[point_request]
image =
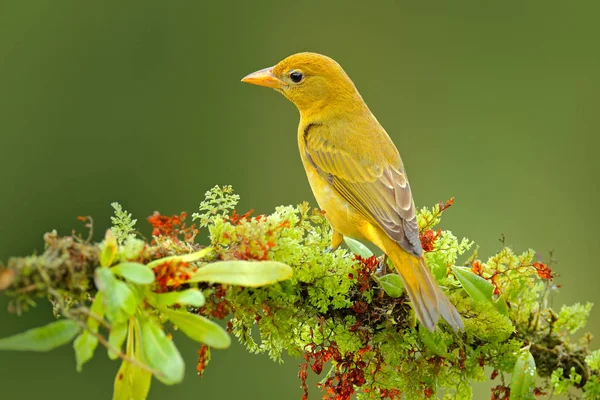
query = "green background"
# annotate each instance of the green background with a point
(493, 103)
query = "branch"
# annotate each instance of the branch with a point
(334, 309)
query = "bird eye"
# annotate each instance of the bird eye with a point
(296, 76)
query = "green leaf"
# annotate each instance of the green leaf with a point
(199, 328)
(188, 258)
(161, 354)
(357, 247)
(243, 273)
(84, 346)
(392, 284)
(132, 382)
(479, 289)
(116, 337)
(44, 338)
(189, 297)
(97, 309)
(120, 301)
(110, 249)
(523, 377)
(434, 341)
(134, 272)
(501, 305)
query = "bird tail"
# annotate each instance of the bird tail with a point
(428, 299)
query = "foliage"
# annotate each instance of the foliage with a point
(573, 318)
(123, 224)
(218, 202)
(283, 290)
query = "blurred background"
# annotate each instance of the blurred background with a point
(493, 103)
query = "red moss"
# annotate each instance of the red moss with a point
(391, 394)
(360, 307)
(203, 359)
(216, 305)
(543, 271)
(428, 239)
(171, 274)
(348, 372)
(428, 392)
(500, 392)
(173, 227)
(445, 205)
(366, 266)
(237, 219)
(477, 267)
(303, 375)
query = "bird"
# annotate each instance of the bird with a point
(356, 173)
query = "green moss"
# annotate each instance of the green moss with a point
(572, 318)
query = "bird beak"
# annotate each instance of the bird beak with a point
(264, 77)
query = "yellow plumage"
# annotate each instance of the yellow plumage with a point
(356, 173)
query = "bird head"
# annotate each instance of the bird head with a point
(313, 82)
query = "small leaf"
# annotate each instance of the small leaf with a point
(120, 301)
(134, 272)
(116, 337)
(392, 284)
(522, 382)
(161, 354)
(98, 310)
(501, 305)
(132, 382)
(243, 273)
(357, 247)
(189, 297)
(110, 249)
(479, 289)
(199, 328)
(434, 341)
(44, 338)
(84, 346)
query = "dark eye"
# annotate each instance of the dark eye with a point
(296, 76)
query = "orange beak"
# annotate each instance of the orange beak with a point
(263, 77)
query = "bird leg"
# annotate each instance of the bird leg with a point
(382, 268)
(336, 240)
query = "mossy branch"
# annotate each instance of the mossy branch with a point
(337, 307)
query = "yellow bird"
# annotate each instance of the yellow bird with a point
(356, 173)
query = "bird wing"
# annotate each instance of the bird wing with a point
(380, 191)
